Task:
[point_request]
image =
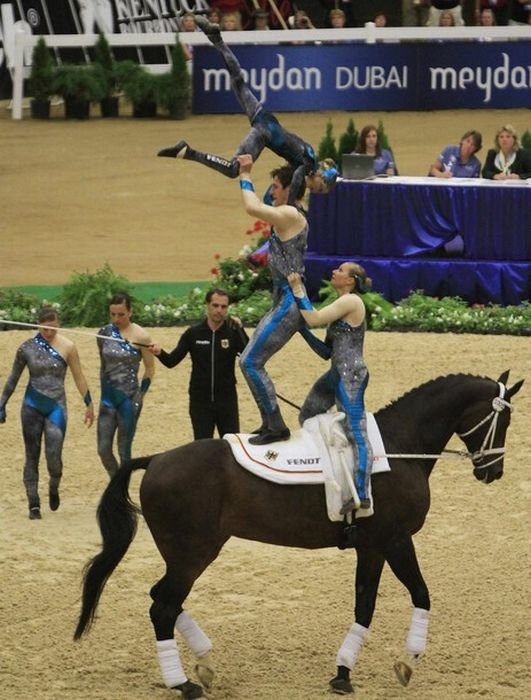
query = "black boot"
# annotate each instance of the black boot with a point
(268, 436)
(177, 151)
(276, 430)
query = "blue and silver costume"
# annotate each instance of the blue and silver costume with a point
(278, 326)
(121, 398)
(266, 132)
(43, 411)
(344, 384)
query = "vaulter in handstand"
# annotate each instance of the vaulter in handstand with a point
(266, 132)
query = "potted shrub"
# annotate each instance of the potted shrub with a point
(104, 68)
(139, 87)
(78, 85)
(174, 89)
(41, 80)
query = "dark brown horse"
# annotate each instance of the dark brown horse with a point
(195, 497)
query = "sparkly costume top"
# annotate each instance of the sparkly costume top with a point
(47, 369)
(346, 342)
(120, 361)
(287, 256)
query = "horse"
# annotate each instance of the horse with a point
(195, 497)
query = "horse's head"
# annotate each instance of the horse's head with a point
(483, 428)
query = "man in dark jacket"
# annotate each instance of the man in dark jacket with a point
(213, 345)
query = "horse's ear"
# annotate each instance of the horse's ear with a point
(514, 389)
(504, 376)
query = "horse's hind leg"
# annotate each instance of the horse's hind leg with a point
(200, 645)
(368, 572)
(167, 604)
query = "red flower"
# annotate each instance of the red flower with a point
(214, 270)
(217, 256)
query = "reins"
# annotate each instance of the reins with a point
(487, 448)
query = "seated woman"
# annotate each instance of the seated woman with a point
(345, 382)
(368, 143)
(507, 161)
(459, 160)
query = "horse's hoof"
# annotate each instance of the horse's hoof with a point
(190, 690)
(341, 686)
(204, 671)
(403, 672)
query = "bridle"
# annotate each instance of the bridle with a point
(487, 448)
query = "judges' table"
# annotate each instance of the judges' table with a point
(398, 227)
(414, 216)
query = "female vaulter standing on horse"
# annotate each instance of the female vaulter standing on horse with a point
(266, 132)
(345, 383)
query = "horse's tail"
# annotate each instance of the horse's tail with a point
(117, 519)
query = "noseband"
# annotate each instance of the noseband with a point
(487, 448)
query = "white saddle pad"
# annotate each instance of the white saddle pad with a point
(318, 453)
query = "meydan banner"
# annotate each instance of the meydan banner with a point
(399, 76)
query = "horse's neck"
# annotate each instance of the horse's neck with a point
(423, 421)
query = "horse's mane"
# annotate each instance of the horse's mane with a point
(430, 387)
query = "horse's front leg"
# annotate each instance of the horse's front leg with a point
(402, 559)
(368, 573)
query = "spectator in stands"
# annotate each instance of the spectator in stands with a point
(415, 13)
(446, 19)
(368, 143)
(459, 160)
(380, 19)
(500, 9)
(231, 22)
(439, 6)
(507, 161)
(300, 20)
(187, 24)
(520, 12)
(214, 15)
(487, 18)
(225, 7)
(261, 20)
(337, 19)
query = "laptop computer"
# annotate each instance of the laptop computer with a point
(357, 166)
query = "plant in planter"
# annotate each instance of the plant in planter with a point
(139, 87)
(78, 86)
(104, 69)
(41, 80)
(174, 89)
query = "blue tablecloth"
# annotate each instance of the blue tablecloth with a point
(413, 217)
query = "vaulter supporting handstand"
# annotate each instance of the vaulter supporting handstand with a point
(266, 132)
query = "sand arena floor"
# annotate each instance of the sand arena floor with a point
(76, 195)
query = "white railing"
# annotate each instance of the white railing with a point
(370, 34)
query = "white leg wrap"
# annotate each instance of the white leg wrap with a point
(348, 653)
(170, 663)
(193, 635)
(418, 632)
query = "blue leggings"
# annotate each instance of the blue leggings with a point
(329, 390)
